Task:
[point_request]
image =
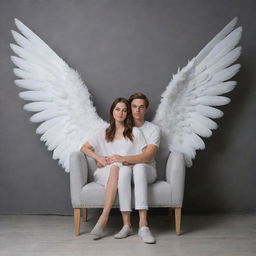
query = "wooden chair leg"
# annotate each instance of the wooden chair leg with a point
(84, 214)
(177, 219)
(77, 221)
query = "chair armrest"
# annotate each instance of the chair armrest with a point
(175, 176)
(78, 175)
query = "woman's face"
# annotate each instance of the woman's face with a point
(120, 112)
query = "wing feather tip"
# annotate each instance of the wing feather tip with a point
(12, 46)
(17, 22)
(13, 32)
(234, 20)
(13, 59)
(66, 170)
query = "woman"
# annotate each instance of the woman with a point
(119, 138)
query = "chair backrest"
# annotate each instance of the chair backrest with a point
(161, 161)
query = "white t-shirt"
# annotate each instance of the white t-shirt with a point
(152, 135)
(123, 147)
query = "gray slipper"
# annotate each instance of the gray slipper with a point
(97, 231)
(124, 232)
(146, 236)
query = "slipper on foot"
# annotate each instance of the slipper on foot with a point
(145, 234)
(97, 231)
(124, 232)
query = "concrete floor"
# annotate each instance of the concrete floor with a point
(202, 235)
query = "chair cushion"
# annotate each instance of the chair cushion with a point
(159, 195)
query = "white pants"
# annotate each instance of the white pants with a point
(141, 175)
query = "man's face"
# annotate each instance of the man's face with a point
(138, 109)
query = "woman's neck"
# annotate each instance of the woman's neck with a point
(119, 130)
(119, 125)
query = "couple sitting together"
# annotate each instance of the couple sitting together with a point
(125, 152)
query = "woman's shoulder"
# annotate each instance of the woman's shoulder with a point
(100, 132)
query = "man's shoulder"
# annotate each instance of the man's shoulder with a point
(136, 130)
(152, 126)
(152, 133)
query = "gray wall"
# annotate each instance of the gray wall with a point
(120, 47)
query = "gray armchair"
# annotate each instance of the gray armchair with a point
(167, 191)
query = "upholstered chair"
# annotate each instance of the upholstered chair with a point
(167, 191)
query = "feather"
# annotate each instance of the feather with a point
(46, 125)
(58, 96)
(188, 102)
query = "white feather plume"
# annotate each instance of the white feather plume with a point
(60, 99)
(188, 103)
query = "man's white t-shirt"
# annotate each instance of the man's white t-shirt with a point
(152, 135)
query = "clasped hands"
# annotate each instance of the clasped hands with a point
(103, 161)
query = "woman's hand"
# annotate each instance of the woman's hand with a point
(99, 165)
(115, 158)
(102, 161)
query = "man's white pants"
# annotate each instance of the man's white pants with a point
(141, 175)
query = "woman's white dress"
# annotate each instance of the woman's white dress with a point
(123, 147)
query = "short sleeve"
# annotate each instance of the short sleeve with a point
(154, 137)
(140, 139)
(94, 140)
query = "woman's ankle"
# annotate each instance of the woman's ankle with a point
(103, 220)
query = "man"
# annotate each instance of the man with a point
(143, 171)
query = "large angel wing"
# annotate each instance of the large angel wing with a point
(59, 97)
(188, 103)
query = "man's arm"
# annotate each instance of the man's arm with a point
(144, 157)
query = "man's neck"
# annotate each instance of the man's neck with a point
(139, 123)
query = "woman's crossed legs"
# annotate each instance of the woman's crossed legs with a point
(109, 198)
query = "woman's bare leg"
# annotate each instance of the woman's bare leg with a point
(110, 194)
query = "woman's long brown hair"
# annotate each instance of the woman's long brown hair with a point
(128, 122)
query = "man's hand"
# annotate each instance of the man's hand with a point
(115, 158)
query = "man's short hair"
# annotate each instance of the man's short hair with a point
(139, 95)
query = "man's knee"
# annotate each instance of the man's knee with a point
(139, 173)
(139, 170)
(125, 174)
(125, 171)
(138, 167)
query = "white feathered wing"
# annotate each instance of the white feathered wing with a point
(59, 97)
(188, 103)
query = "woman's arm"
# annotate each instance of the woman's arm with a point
(88, 150)
(145, 157)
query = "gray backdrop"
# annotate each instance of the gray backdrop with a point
(120, 47)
